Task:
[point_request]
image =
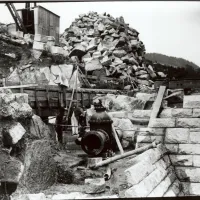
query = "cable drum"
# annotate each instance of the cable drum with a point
(95, 142)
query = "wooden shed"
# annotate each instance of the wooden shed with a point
(39, 20)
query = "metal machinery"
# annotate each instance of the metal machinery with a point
(18, 21)
(99, 140)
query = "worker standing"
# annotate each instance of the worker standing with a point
(60, 119)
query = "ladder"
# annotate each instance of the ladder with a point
(16, 17)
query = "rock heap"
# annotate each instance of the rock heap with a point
(25, 144)
(103, 43)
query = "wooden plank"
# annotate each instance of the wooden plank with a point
(57, 88)
(82, 100)
(20, 86)
(117, 140)
(157, 103)
(46, 112)
(37, 104)
(31, 93)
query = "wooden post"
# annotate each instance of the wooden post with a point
(157, 103)
(129, 153)
(117, 140)
(77, 70)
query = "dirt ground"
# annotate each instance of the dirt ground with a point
(116, 185)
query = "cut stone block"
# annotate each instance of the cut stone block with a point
(37, 54)
(151, 155)
(177, 135)
(40, 168)
(172, 148)
(49, 44)
(191, 101)
(93, 161)
(173, 190)
(196, 160)
(188, 122)
(38, 129)
(162, 123)
(191, 174)
(141, 144)
(195, 137)
(151, 131)
(125, 129)
(166, 113)
(120, 114)
(145, 187)
(191, 188)
(95, 186)
(11, 169)
(138, 172)
(93, 64)
(56, 50)
(181, 112)
(196, 112)
(79, 50)
(72, 195)
(21, 98)
(143, 139)
(39, 196)
(104, 197)
(21, 111)
(12, 134)
(161, 163)
(50, 38)
(167, 160)
(39, 46)
(40, 38)
(194, 129)
(6, 99)
(149, 139)
(189, 149)
(162, 188)
(19, 34)
(182, 160)
(28, 38)
(7, 111)
(141, 113)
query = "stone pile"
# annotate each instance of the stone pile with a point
(25, 144)
(101, 45)
(104, 43)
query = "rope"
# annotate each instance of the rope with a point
(89, 127)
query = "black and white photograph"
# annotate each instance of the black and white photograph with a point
(99, 99)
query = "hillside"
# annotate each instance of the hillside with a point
(170, 65)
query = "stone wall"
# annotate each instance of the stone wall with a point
(152, 175)
(179, 130)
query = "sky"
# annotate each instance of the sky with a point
(171, 28)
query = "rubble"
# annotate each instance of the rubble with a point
(11, 135)
(98, 42)
(107, 35)
(95, 186)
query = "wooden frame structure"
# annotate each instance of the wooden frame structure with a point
(46, 100)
